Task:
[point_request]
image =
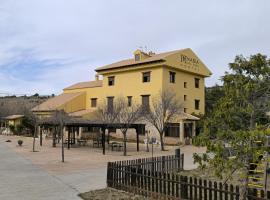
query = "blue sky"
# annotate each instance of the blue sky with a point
(48, 45)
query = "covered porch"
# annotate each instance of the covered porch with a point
(182, 130)
(72, 132)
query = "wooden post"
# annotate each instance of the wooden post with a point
(62, 138)
(54, 137)
(40, 136)
(137, 138)
(108, 137)
(68, 142)
(103, 139)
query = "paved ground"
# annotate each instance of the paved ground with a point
(20, 179)
(84, 168)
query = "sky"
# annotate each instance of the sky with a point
(47, 45)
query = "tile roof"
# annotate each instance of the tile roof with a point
(186, 116)
(54, 103)
(14, 117)
(128, 62)
(80, 113)
(87, 84)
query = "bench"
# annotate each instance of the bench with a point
(117, 146)
(81, 142)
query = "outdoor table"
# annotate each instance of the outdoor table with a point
(71, 141)
(97, 142)
(116, 145)
(82, 142)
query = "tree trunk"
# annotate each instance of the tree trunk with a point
(162, 142)
(62, 138)
(34, 138)
(125, 143)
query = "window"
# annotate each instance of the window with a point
(185, 84)
(172, 77)
(145, 102)
(185, 97)
(185, 110)
(112, 130)
(172, 130)
(197, 104)
(90, 129)
(94, 102)
(197, 82)
(110, 104)
(145, 77)
(129, 101)
(137, 57)
(111, 80)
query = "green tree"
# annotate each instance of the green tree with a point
(238, 118)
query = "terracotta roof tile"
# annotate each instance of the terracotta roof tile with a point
(54, 103)
(14, 117)
(80, 113)
(87, 84)
(128, 62)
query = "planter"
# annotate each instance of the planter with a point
(20, 142)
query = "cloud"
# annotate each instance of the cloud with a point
(48, 45)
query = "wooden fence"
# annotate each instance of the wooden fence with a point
(159, 180)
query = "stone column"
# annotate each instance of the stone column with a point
(80, 132)
(193, 128)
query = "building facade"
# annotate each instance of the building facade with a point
(140, 79)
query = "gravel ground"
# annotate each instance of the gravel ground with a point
(110, 194)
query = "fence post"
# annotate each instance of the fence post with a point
(163, 163)
(190, 188)
(226, 191)
(184, 187)
(177, 185)
(220, 191)
(237, 191)
(205, 189)
(231, 191)
(200, 188)
(210, 189)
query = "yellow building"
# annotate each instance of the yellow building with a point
(139, 79)
(13, 120)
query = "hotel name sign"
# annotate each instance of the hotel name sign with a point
(189, 62)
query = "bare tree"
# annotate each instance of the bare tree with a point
(121, 113)
(60, 117)
(107, 114)
(165, 108)
(128, 115)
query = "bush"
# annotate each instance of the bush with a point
(20, 142)
(12, 128)
(19, 129)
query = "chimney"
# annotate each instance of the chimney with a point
(97, 77)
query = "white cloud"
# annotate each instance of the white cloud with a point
(66, 40)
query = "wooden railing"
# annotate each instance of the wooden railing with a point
(158, 178)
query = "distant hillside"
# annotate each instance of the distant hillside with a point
(12, 105)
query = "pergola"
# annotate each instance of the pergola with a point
(79, 122)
